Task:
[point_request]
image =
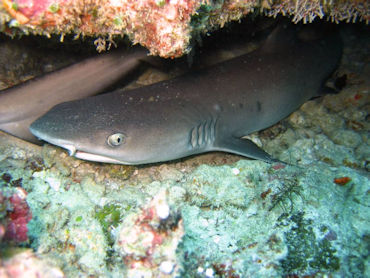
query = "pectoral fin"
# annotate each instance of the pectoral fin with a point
(244, 147)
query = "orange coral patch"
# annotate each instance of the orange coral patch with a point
(21, 18)
(342, 181)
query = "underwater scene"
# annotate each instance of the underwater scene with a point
(291, 198)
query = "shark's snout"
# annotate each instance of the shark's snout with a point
(42, 132)
(36, 130)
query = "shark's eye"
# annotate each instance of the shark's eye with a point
(115, 139)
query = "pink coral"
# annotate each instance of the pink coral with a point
(25, 265)
(18, 217)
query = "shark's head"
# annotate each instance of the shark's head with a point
(92, 131)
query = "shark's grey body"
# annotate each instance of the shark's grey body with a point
(22, 104)
(208, 110)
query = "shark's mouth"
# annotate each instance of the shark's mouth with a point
(96, 157)
(88, 156)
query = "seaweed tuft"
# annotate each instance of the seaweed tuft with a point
(306, 253)
(109, 217)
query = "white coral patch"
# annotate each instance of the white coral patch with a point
(53, 182)
(166, 267)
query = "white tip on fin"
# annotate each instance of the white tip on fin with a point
(71, 149)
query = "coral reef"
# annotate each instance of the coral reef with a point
(164, 27)
(148, 240)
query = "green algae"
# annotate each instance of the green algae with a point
(54, 7)
(118, 21)
(78, 218)
(109, 217)
(15, 6)
(160, 3)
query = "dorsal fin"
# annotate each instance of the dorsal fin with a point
(281, 38)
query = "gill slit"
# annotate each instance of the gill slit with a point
(203, 134)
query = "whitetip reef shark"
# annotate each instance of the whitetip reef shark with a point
(24, 103)
(201, 111)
